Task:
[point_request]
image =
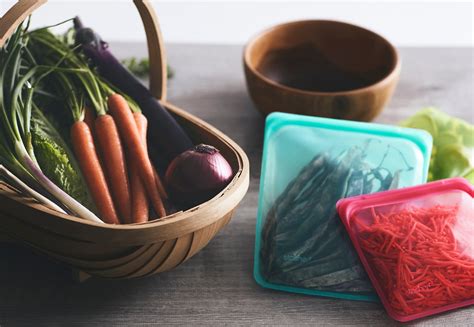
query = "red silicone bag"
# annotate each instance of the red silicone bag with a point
(416, 245)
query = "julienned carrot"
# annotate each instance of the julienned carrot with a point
(140, 210)
(418, 262)
(115, 167)
(84, 149)
(119, 109)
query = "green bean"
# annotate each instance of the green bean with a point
(332, 264)
(309, 243)
(357, 285)
(334, 278)
(304, 243)
(334, 189)
(284, 201)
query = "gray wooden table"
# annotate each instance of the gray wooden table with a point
(216, 286)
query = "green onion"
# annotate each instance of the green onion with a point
(19, 76)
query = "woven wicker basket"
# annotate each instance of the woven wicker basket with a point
(125, 251)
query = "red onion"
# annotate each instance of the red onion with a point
(197, 175)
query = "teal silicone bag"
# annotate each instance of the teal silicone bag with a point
(310, 163)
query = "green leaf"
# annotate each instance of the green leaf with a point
(469, 176)
(423, 120)
(451, 161)
(448, 137)
(57, 161)
(453, 143)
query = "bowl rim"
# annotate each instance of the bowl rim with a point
(393, 73)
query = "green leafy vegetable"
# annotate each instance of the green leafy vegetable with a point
(19, 77)
(56, 159)
(453, 144)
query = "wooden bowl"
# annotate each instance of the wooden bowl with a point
(321, 68)
(125, 251)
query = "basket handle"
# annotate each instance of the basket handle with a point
(156, 49)
(23, 8)
(15, 16)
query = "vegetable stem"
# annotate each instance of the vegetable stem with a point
(24, 188)
(65, 198)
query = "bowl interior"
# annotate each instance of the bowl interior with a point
(321, 56)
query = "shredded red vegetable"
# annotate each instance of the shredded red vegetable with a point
(415, 257)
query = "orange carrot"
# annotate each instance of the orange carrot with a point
(142, 125)
(140, 212)
(119, 109)
(159, 185)
(115, 167)
(89, 118)
(84, 149)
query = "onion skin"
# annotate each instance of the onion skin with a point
(197, 175)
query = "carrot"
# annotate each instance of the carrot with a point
(159, 185)
(140, 212)
(89, 118)
(111, 150)
(119, 109)
(142, 125)
(84, 149)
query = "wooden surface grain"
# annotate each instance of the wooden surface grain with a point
(216, 287)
